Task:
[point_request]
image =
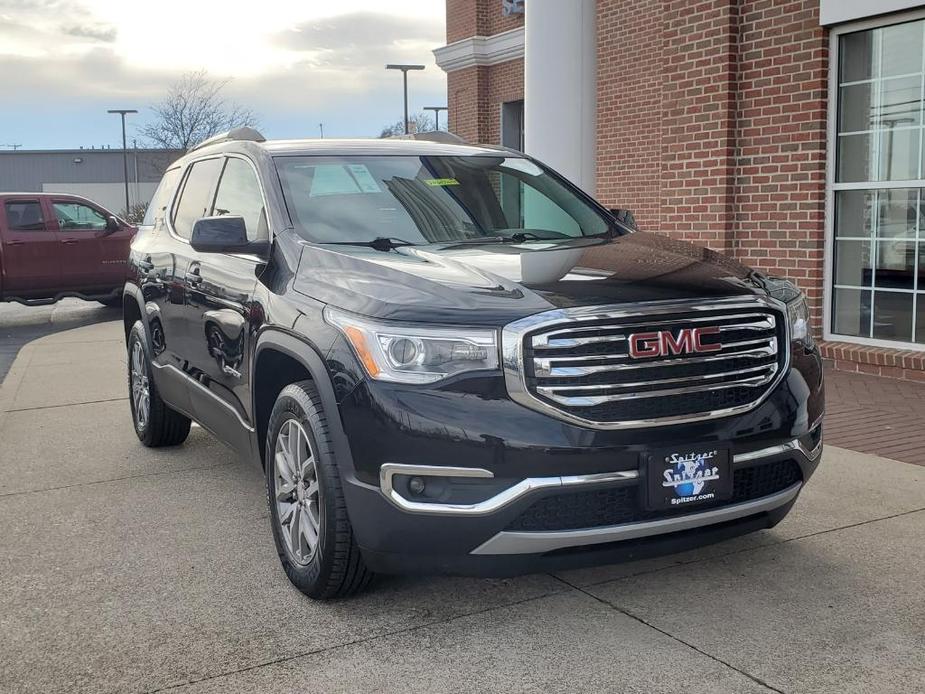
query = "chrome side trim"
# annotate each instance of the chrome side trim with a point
(513, 334)
(790, 446)
(541, 542)
(388, 471)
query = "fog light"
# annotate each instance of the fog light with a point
(417, 485)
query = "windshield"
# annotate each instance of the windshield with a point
(425, 200)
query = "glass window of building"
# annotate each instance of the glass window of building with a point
(878, 252)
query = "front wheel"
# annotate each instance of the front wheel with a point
(313, 535)
(155, 423)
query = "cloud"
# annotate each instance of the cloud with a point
(363, 39)
(366, 30)
(106, 34)
(75, 64)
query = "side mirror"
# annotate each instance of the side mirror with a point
(112, 225)
(625, 217)
(224, 234)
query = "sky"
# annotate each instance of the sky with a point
(295, 63)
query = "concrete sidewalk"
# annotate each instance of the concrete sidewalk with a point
(129, 570)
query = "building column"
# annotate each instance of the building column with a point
(560, 87)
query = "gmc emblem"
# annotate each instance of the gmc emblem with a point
(665, 343)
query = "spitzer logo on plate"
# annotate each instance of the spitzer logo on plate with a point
(688, 475)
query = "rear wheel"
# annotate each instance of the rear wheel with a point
(155, 423)
(313, 535)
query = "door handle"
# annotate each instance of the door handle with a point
(69, 242)
(15, 243)
(228, 371)
(193, 276)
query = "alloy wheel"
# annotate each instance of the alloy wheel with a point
(141, 396)
(298, 497)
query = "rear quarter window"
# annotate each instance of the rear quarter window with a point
(195, 199)
(156, 214)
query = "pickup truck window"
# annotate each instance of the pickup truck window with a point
(195, 200)
(75, 216)
(239, 194)
(24, 215)
(424, 199)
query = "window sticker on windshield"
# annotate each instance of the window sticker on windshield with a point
(364, 178)
(332, 179)
(441, 181)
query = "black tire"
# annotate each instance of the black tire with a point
(163, 426)
(335, 568)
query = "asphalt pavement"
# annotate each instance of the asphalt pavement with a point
(124, 569)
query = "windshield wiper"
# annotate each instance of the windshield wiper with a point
(519, 237)
(382, 243)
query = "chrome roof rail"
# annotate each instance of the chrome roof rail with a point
(243, 133)
(441, 136)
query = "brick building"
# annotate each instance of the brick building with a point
(785, 133)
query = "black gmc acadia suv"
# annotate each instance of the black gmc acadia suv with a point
(449, 359)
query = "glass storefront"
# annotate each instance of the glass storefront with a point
(878, 259)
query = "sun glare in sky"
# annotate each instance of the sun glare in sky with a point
(295, 63)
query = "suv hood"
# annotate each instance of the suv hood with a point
(495, 284)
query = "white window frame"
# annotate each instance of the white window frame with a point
(831, 186)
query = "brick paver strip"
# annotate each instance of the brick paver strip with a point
(876, 415)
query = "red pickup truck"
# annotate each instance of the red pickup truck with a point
(54, 245)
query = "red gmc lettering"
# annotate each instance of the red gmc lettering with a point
(665, 343)
(645, 345)
(698, 344)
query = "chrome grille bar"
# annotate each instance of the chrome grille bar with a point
(543, 367)
(548, 342)
(575, 363)
(561, 393)
(765, 322)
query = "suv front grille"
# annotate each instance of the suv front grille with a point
(617, 505)
(581, 365)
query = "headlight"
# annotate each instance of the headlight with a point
(798, 315)
(408, 353)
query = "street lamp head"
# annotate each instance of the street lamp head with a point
(121, 110)
(404, 68)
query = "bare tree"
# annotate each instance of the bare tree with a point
(136, 213)
(417, 123)
(194, 110)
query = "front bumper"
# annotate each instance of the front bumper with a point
(515, 458)
(484, 538)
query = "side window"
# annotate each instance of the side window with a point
(77, 216)
(156, 213)
(24, 215)
(239, 194)
(195, 200)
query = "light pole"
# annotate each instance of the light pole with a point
(404, 70)
(436, 110)
(122, 112)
